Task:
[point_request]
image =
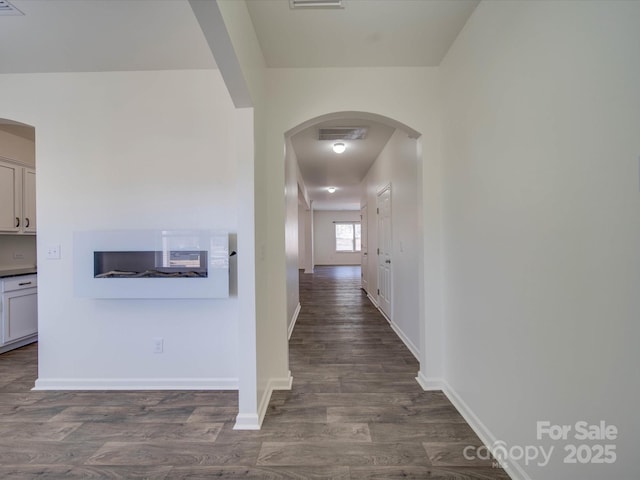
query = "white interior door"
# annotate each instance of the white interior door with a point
(384, 251)
(364, 252)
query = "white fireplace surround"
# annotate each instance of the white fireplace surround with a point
(214, 285)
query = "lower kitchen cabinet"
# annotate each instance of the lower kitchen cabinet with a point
(19, 311)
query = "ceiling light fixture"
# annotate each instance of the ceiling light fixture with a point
(339, 147)
(331, 189)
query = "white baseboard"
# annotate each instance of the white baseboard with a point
(372, 300)
(513, 468)
(19, 343)
(136, 384)
(247, 421)
(294, 319)
(284, 383)
(408, 343)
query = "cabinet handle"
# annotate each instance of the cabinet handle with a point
(24, 283)
(27, 223)
(17, 222)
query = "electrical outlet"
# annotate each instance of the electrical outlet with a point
(158, 345)
(53, 252)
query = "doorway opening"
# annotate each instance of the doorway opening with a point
(374, 182)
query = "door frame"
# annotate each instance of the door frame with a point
(379, 192)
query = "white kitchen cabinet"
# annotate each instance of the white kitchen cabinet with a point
(10, 194)
(19, 311)
(17, 198)
(29, 200)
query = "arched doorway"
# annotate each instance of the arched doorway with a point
(384, 162)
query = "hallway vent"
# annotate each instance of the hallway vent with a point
(316, 4)
(342, 133)
(6, 9)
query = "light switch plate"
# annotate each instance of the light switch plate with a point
(53, 252)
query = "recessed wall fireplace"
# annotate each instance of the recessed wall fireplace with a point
(151, 264)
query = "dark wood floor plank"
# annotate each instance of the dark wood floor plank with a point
(82, 472)
(260, 473)
(145, 432)
(340, 453)
(48, 431)
(14, 452)
(148, 453)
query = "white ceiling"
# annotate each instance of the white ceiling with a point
(365, 33)
(322, 168)
(102, 35)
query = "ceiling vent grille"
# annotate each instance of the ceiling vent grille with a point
(342, 133)
(316, 3)
(6, 9)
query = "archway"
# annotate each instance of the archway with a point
(397, 163)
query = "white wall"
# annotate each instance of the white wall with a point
(542, 223)
(124, 151)
(291, 231)
(263, 336)
(397, 165)
(324, 237)
(15, 147)
(302, 258)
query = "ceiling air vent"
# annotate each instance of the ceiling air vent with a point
(316, 3)
(342, 133)
(6, 9)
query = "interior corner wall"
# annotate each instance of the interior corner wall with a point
(407, 95)
(397, 165)
(122, 151)
(324, 237)
(541, 210)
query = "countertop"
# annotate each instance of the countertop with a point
(16, 272)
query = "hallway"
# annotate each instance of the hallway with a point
(355, 412)
(354, 382)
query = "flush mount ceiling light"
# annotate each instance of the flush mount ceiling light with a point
(331, 189)
(339, 147)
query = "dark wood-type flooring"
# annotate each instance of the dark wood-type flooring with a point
(355, 412)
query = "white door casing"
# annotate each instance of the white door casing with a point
(384, 251)
(364, 253)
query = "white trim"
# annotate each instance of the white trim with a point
(294, 319)
(373, 300)
(247, 421)
(136, 384)
(273, 384)
(513, 468)
(20, 343)
(408, 343)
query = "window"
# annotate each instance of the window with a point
(347, 236)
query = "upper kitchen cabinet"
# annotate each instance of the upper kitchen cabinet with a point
(17, 198)
(29, 200)
(17, 178)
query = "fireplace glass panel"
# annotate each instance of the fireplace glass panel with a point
(150, 264)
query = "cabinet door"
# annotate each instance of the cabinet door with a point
(9, 208)
(29, 201)
(20, 314)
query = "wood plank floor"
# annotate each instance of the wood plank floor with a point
(355, 412)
